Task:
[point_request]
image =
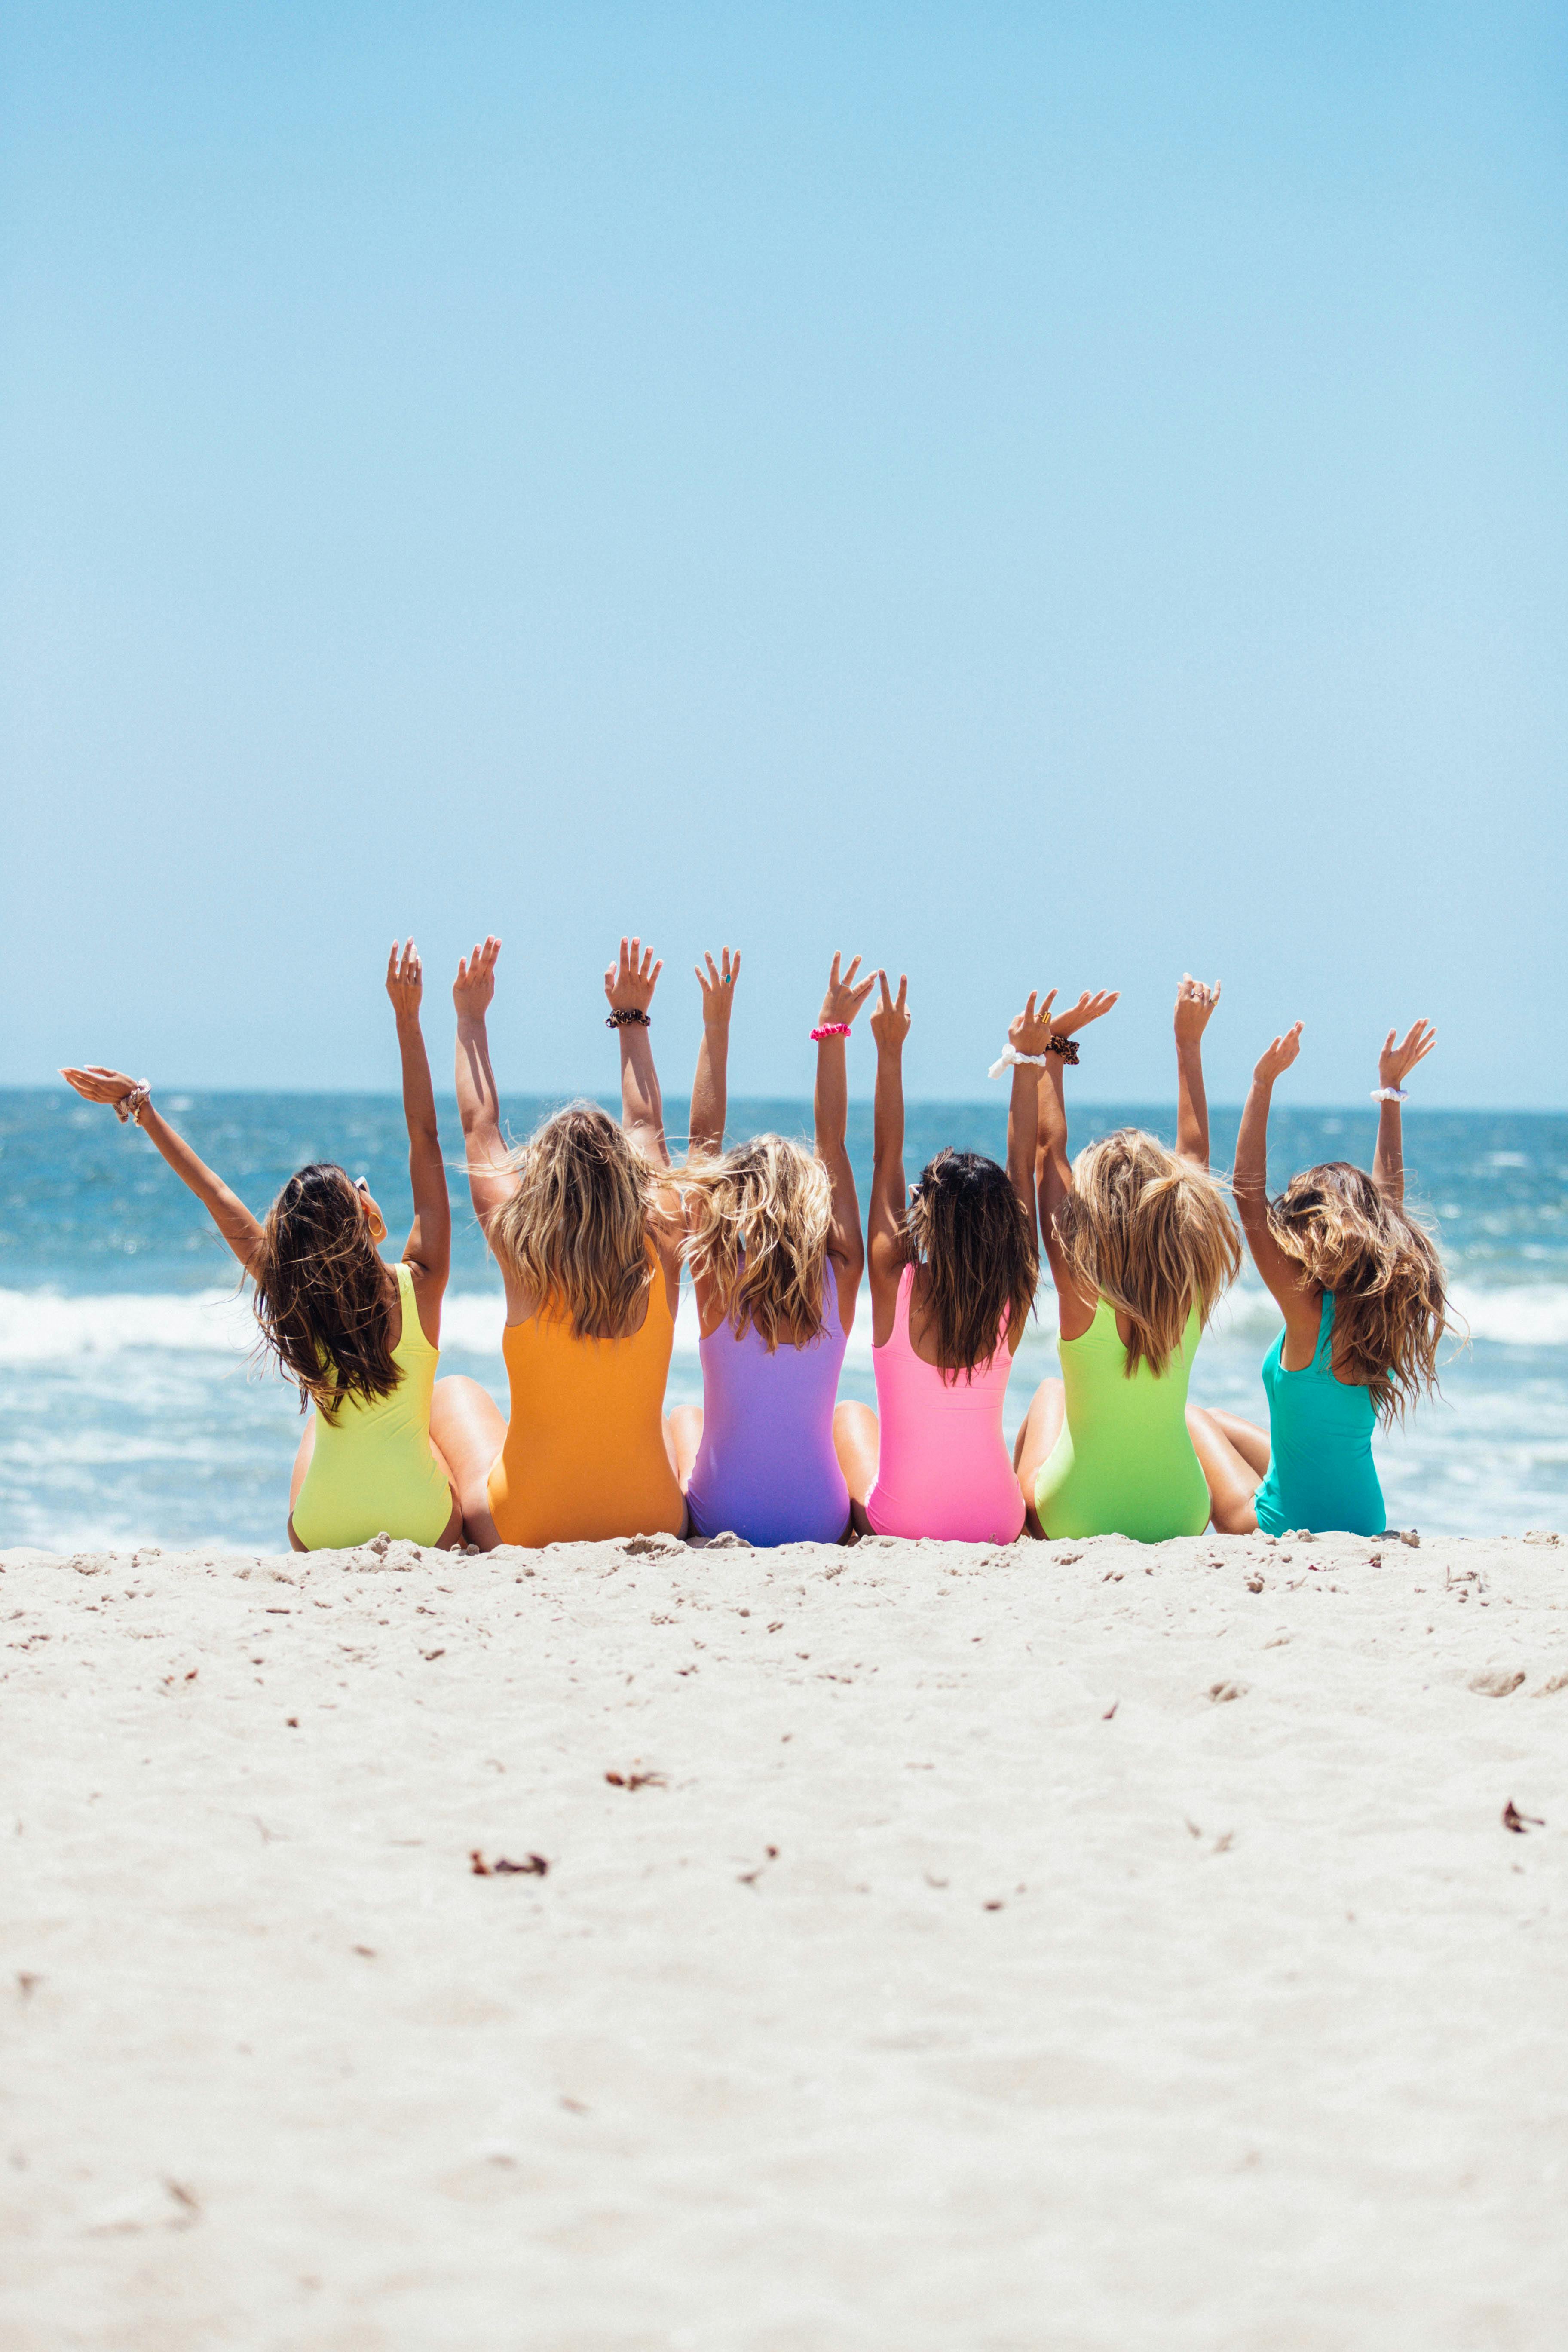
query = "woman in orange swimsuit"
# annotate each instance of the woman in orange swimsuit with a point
(587, 1231)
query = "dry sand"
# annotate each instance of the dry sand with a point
(1072, 1947)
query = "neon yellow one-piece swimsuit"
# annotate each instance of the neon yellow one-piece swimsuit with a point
(1124, 1463)
(373, 1470)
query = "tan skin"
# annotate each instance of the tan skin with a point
(844, 994)
(427, 1253)
(1196, 1003)
(857, 1435)
(467, 1420)
(1238, 1455)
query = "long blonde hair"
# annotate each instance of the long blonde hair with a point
(757, 1227)
(575, 1232)
(1382, 1268)
(1153, 1236)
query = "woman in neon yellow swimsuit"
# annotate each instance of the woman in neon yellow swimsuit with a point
(1142, 1247)
(359, 1337)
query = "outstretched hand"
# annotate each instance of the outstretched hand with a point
(404, 980)
(890, 1020)
(1029, 1032)
(844, 994)
(1194, 1003)
(718, 986)
(1396, 1062)
(1279, 1055)
(629, 985)
(97, 1085)
(1088, 1008)
(475, 982)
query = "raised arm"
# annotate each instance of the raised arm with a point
(1394, 1064)
(228, 1212)
(1053, 1168)
(710, 1086)
(1028, 1040)
(428, 1250)
(628, 987)
(492, 1180)
(842, 1000)
(1194, 1003)
(890, 1196)
(1250, 1183)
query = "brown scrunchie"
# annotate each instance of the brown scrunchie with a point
(1066, 1046)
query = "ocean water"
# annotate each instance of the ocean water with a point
(133, 1407)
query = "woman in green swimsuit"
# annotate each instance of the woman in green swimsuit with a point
(358, 1337)
(1360, 1288)
(1141, 1248)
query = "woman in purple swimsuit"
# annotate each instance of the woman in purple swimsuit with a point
(775, 1246)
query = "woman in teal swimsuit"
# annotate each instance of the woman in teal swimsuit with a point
(1360, 1288)
(1142, 1247)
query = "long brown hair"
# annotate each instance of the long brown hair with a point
(322, 1297)
(759, 1221)
(1391, 1304)
(1151, 1233)
(968, 1228)
(575, 1232)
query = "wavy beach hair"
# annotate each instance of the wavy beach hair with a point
(758, 1224)
(1391, 1305)
(1151, 1233)
(321, 1296)
(575, 1232)
(967, 1227)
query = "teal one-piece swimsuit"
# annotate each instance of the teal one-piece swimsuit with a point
(1321, 1474)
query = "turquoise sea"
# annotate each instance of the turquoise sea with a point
(132, 1407)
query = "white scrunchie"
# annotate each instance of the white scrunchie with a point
(132, 1106)
(1007, 1056)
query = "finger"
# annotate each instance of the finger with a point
(849, 975)
(1029, 1009)
(1214, 993)
(653, 975)
(887, 1000)
(1046, 1007)
(735, 967)
(903, 991)
(833, 975)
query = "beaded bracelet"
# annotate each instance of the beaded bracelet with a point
(830, 1029)
(626, 1016)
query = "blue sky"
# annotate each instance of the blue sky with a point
(1053, 494)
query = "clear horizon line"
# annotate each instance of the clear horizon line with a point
(966, 1102)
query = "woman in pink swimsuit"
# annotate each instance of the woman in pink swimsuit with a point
(953, 1267)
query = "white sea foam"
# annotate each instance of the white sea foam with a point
(38, 1326)
(1528, 1315)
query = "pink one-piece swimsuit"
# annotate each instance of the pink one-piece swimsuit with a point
(944, 1468)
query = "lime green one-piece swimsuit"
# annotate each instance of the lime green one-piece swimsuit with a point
(1124, 1463)
(373, 1468)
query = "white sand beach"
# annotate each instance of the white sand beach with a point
(1078, 1945)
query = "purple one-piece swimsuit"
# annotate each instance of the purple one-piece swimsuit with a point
(766, 1468)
